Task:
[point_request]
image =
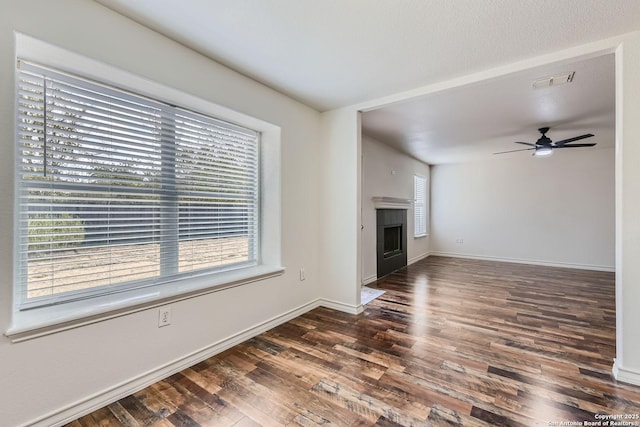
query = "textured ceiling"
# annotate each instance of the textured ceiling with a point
(332, 53)
(472, 122)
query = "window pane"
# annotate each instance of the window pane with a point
(118, 191)
(216, 171)
(79, 240)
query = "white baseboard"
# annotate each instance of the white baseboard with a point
(525, 261)
(340, 306)
(413, 260)
(418, 258)
(625, 375)
(103, 398)
(368, 280)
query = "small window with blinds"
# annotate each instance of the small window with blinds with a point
(117, 191)
(420, 206)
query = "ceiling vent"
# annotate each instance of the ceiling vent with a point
(557, 80)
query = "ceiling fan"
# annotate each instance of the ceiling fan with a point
(545, 146)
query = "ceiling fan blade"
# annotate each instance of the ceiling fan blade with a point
(576, 145)
(525, 143)
(575, 138)
(513, 151)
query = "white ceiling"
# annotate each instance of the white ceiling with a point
(333, 53)
(473, 122)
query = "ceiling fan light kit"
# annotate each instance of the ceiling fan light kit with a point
(543, 151)
(544, 146)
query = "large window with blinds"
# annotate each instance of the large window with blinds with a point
(117, 191)
(420, 206)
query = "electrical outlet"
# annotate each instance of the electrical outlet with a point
(164, 316)
(302, 275)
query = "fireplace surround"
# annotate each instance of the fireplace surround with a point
(391, 238)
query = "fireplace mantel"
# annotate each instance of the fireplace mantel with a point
(391, 203)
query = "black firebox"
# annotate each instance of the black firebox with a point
(391, 236)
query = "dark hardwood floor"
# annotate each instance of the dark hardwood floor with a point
(452, 342)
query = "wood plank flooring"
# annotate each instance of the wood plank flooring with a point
(452, 342)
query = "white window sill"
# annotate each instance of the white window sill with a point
(33, 323)
(419, 236)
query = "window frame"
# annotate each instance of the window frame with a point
(26, 324)
(138, 136)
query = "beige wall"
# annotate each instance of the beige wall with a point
(49, 375)
(556, 210)
(627, 364)
(387, 172)
(627, 182)
(42, 379)
(340, 198)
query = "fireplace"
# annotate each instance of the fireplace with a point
(392, 244)
(391, 236)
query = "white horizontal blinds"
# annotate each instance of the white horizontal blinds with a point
(420, 206)
(119, 191)
(89, 186)
(216, 179)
